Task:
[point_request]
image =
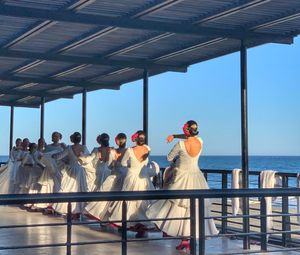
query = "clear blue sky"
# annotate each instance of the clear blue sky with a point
(208, 93)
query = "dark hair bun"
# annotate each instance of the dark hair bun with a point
(121, 136)
(76, 137)
(103, 139)
(193, 127)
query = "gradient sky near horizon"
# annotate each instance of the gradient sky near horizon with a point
(208, 93)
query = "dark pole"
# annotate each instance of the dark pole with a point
(84, 116)
(244, 139)
(145, 103)
(42, 117)
(11, 134)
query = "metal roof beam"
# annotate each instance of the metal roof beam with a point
(19, 105)
(60, 83)
(40, 26)
(34, 93)
(69, 16)
(89, 60)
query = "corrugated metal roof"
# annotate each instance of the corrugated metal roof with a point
(55, 48)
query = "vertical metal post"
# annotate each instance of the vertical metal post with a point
(69, 229)
(286, 226)
(193, 226)
(124, 228)
(145, 103)
(84, 116)
(244, 140)
(11, 134)
(224, 203)
(263, 224)
(42, 117)
(201, 227)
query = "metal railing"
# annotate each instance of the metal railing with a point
(221, 179)
(192, 195)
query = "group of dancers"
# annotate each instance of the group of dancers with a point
(55, 168)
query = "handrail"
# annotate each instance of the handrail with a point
(145, 195)
(253, 172)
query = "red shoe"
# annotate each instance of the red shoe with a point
(183, 245)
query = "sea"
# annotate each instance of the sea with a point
(290, 164)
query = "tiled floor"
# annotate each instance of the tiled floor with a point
(57, 234)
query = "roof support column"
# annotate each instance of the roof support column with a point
(11, 134)
(84, 116)
(42, 120)
(244, 139)
(145, 103)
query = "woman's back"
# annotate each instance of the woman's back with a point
(187, 154)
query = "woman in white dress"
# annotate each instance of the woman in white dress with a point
(50, 180)
(22, 173)
(74, 176)
(8, 171)
(137, 179)
(114, 182)
(97, 163)
(187, 175)
(35, 170)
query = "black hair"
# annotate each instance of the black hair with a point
(141, 140)
(75, 137)
(192, 127)
(31, 146)
(59, 134)
(103, 139)
(18, 140)
(121, 136)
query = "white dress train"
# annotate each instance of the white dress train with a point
(187, 175)
(137, 179)
(73, 180)
(113, 182)
(8, 172)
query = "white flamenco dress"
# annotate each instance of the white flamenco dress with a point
(102, 168)
(51, 177)
(113, 182)
(8, 172)
(73, 180)
(137, 179)
(97, 170)
(187, 175)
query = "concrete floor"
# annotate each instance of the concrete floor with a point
(11, 215)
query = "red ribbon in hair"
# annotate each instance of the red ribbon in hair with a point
(185, 129)
(134, 137)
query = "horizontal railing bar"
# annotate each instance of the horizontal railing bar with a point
(158, 239)
(34, 225)
(254, 216)
(253, 173)
(259, 251)
(57, 245)
(145, 195)
(32, 246)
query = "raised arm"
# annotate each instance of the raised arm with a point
(173, 153)
(60, 155)
(170, 138)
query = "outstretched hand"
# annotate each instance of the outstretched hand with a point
(170, 138)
